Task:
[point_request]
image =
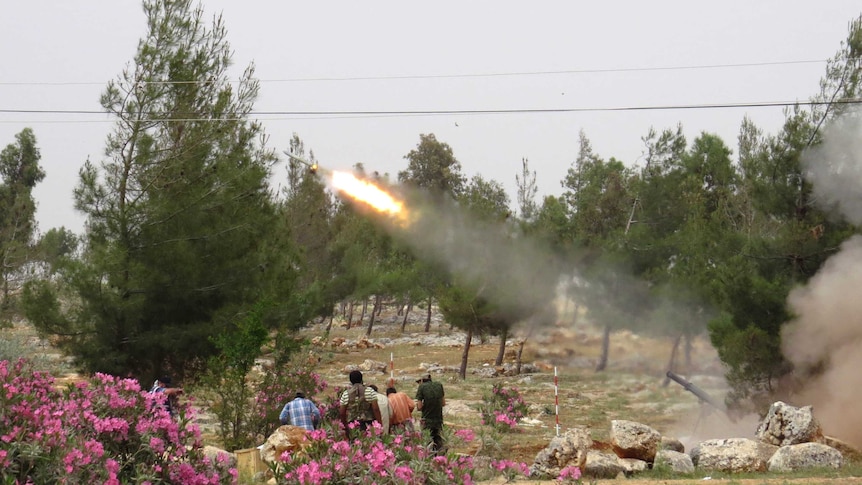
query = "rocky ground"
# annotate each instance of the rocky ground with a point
(631, 388)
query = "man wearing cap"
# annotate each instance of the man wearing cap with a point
(430, 399)
(300, 412)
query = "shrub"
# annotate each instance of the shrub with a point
(106, 430)
(373, 458)
(502, 408)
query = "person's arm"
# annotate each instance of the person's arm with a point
(284, 417)
(376, 408)
(342, 413)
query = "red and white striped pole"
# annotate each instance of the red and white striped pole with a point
(556, 402)
(391, 370)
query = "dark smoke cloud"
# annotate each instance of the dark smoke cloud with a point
(827, 331)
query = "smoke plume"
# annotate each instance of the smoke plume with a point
(822, 340)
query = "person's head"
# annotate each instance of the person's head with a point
(300, 394)
(165, 381)
(424, 378)
(373, 387)
(390, 390)
(355, 377)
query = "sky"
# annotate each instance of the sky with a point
(396, 56)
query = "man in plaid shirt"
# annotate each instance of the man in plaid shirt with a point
(300, 412)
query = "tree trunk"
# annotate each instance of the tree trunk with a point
(606, 345)
(378, 304)
(428, 318)
(462, 372)
(374, 311)
(329, 325)
(672, 361)
(406, 312)
(364, 310)
(688, 348)
(518, 359)
(504, 335)
(349, 314)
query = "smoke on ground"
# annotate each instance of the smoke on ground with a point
(822, 340)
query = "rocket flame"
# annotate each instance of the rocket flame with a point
(370, 194)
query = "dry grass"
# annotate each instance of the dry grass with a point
(630, 389)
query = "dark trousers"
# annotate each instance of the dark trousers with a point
(436, 431)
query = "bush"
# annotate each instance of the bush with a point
(373, 458)
(106, 430)
(502, 408)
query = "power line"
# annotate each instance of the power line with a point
(442, 76)
(152, 117)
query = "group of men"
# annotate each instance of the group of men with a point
(360, 406)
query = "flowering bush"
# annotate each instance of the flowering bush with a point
(106, 430)
(569, 474)
(371, 458)
(510, 469)
(278, 388)
(502, 408)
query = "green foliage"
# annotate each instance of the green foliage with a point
(227, 380)
(432, 166)
(181, 223)
(19, 174)
(501, 408)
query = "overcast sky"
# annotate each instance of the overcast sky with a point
(443, 55)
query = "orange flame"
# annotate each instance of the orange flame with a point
(370, 194)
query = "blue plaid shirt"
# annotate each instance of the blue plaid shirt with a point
(300, 412)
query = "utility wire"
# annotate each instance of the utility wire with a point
(440, 76)
(179, 117)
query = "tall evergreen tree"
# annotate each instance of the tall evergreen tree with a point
(179, 214)
(19, 173)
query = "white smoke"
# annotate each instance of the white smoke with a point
(827, 329)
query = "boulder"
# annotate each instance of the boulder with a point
(673, 444)
(732, 455)
(285, 438)
(570, 448)
(848, 451)
(630, 466)
(677, 461)
(634, 440)
(788, 425)
(804, 455)
(603, 465)
(213, 453)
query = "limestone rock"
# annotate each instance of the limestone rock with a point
(788, 425)
(677, 461)
(848, 451)
(673, 444)
(634, 440)
(630, 466)
(601, 464)
(732, 455)
(213, 453)
(285, 438)
(804, 455)
(568, 449)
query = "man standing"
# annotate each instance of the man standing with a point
(430, 400)
(358, 404)
(300, 412)
(162, 385)
(402, 411)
